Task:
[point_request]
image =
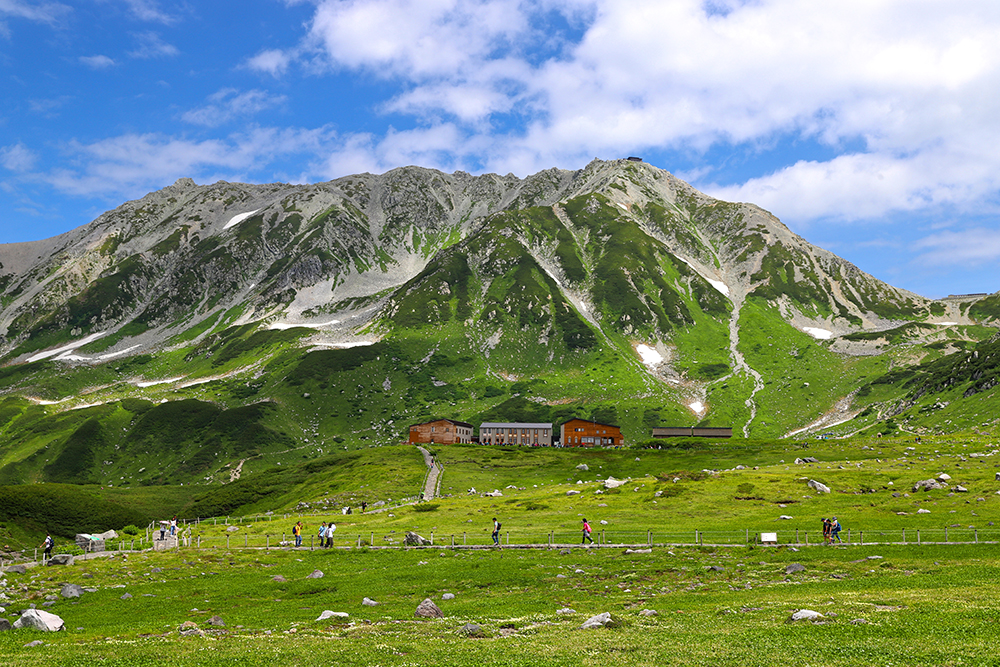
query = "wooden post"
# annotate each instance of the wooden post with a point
(748, 535)
(918, 536)
(861, 537)
(807, 538)
(796, 535)
(946, 533)
(904, 536)
(267, 543)
(976, 532)
(849, 536)
(432, 537)
(452, 540)
(246, 540)
(227, 541)
(508, 538)
(371, 541)
(359, 541)
(199, 541)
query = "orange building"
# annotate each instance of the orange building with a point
(584, 433)
(441, 432)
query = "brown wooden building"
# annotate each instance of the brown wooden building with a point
(441, 432)
(583, 433)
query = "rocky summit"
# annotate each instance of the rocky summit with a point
(260, 316)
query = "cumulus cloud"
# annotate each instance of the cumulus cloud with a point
(17, 157)
(272, 61)
(150, 45)
(97, 62)
(230, 103)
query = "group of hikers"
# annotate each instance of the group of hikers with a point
(324, 534)
(831, 530)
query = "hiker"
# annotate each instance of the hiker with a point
(329, 535)
(364, 506)
(297, 533)
(586, 533)
(496, 532)
(173, 526)
(827, 528)
(835, 530)
(322, 534)
(163, 530)
(48, 543)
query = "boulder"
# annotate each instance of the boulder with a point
(572, 492)
(928, 484)
(369, 603)
(605, 620)
(612, 483)
(315, 574)
(427, 609)
(4, 625)
(127, 596)
(804, 615)
(332, 614)
(414, 540)
(448, 596)
(15, 569)
(37, 619)
(648, 612)
(71, 591)
(585, 468)
(280, 579)
(472, 630)
(923, 511)
(795, 567)
(961, 489)
(60, 559)
(943, 477)
(820, 487)
(638, 551)
(216, 621)
(565, 610)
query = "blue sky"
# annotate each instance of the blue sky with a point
(869, 127)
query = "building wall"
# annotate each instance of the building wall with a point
(516, 434)
(582, 433)
(440, 432)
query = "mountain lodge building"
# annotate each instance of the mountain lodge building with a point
(583, 433)
(441, 432)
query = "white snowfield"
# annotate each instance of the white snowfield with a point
(65, 351)
(719, 285)
(240, 217)
(649, 356)
(945, 324)
(819, 334)
(281, 326)
(697, 406)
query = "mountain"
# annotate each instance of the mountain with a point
(202, 327)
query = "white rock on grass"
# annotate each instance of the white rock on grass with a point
(332, 614)
(39, 620)
(804, 615)
(600, 621)
(820, 487)
(369, 603)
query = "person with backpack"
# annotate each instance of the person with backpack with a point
(835, 528)
(48, 543)
(329, 535)
(496, 532)
(586, 533)
(322, 534)
(297, 533)
(827, 528)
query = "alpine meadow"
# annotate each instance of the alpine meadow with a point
(244, 357)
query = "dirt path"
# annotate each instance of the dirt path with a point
(430, 488)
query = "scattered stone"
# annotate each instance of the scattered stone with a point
(804, 615)
(217, 621)
(280, 579)
(427, 609)
(604, 620)
(928, 484)
(4, 625)
(820, 487)
(572, 492)
(315, 574)
(37, 642)
(369, 603)
(648, 612)
(923, 511)
(16, 569)
(472, 630)
(565, 610)
(859, 621)
(39, 620)
(961, 489)
(785, 517)
(584, 467)
(943, 477)
(448, 596)
(71, 591)
(715, 568)
(565, 552)
(638, 551)
(612, 483)
(795, 567)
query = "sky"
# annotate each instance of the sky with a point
(869, 127)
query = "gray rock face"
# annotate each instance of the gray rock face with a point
(39, 620)
(16, 569)
(71, 591)
(427, 609)
(414, 540)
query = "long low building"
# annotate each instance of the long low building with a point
(693, 432)
(515, 433)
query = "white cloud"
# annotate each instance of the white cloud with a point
(272, 61)
(17, 157)
(230, 103)
(149, 10)
(40, 12)
(969, 247)
(97, 62)
(151, 45)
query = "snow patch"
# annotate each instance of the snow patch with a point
(818, 334)
(649, 356)
(111, 355)
(238, 218)
(719, 285)
(945, 324)
(281, 326)
(65, 350)
(697, 406)
(151, 383)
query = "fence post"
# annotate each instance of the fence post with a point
(267, 542)
(452, 540)
(748, 535)
(849, 536)
(432, 537)
(696, 538)
(946, 533)
(918, 536)
(227, 541)
(904, 536)
(976, 532)
(463, 538)
(371, 541)
(359, 541)
(246, 540)
(311, 542)
(199, 541)
(508, 538)
(861, 537)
